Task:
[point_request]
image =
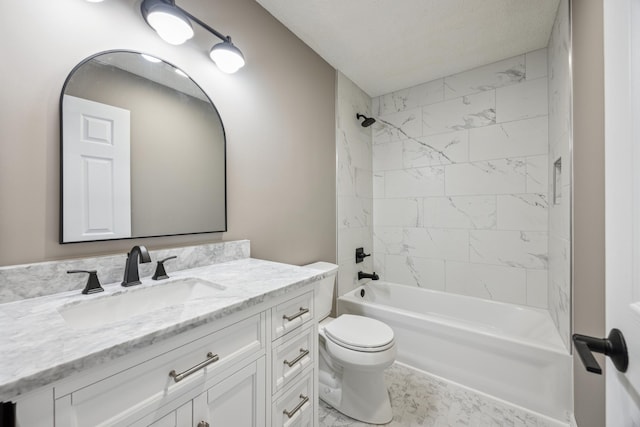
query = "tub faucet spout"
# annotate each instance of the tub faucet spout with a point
(362, 275)
(131, 275)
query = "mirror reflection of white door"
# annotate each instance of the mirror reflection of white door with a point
(622, 190)
(96, 171)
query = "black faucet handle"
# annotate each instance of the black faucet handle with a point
(360, 255)
(93, 284)
(161, 273)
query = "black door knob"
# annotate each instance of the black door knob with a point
(613, 346)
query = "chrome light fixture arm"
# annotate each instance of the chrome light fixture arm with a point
(174, 26)
(213, 31)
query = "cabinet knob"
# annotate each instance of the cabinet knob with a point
(203, 424)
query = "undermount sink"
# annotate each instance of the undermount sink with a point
(125, 305)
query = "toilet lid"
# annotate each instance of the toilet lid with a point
(359, 332)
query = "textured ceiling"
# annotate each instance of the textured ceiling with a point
(386, 45)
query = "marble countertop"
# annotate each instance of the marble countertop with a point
(37, 347)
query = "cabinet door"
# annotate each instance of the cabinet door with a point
(180, 417)
(295, 407)
(291, 355)
(118, 399)
(237, 400)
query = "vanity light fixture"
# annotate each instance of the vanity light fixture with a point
(173, 25)
(227, 56)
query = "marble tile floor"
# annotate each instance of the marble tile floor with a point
(420, 399)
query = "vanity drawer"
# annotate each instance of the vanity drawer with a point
(291, 314)
(291, 355)
(125, 395)
(295, 407)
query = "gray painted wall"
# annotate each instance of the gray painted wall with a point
(279, 114)
(588, 213)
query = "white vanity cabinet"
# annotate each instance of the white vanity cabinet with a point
(123, 396)
(182, 416)
(294, 362)
(237, 399)
(253, 368)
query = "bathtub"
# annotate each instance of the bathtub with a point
(511, 352)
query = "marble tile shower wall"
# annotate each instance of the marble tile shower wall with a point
(354, 186)
(460, 182)
(560, 137)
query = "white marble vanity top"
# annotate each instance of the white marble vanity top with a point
(38, 347)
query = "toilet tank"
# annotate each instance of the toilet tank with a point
(323, 295)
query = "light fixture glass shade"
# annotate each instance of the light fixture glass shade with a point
(168, 21)
(227, 57)
(150, 58)
(179, 72)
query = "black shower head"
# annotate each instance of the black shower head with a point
(368, 121)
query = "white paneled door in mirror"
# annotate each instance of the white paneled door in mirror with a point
(96, 171)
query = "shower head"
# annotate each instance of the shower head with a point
(368, 121)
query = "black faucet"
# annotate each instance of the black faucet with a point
(131, 275)
(362, 275)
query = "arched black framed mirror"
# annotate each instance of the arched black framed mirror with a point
(142, 151)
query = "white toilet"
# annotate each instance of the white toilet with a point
(354, 352)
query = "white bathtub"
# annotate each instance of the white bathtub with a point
(511, 352)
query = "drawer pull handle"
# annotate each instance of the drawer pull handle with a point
(298, 314)
(182, 375)
(304, 400)
(203, 424)
(302, 354)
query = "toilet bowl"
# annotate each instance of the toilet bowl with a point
(353, 354)
(352, 367)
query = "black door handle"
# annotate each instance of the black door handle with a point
(613, 346)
